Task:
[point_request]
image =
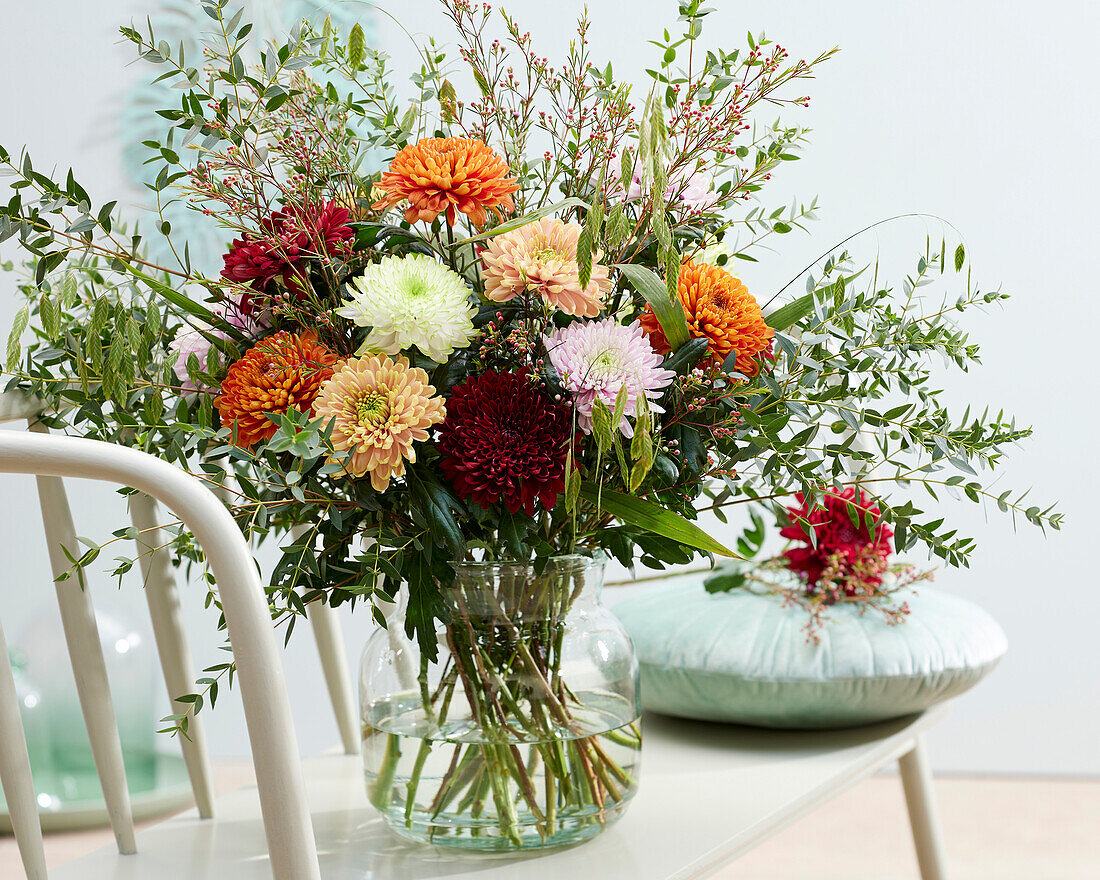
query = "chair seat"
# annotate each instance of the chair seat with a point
(708, 793)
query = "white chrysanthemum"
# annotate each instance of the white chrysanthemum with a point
(411, 301)
(713, 255)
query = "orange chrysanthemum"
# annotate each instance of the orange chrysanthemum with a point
(719, 308)
(447, 175)
(279, 373)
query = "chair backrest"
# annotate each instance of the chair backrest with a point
(260, 677)
(160, 593)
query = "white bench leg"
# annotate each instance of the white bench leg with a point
(15, 774)
(916, 778)
(330, 645)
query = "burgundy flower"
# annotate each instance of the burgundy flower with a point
(845, 554)
(252, 262)
(504, 440)
(286, 239)
(328, 229)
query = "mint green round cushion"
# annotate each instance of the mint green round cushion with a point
(742, 657)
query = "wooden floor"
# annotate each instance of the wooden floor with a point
(996, 829)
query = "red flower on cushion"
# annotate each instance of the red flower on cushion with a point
(845, 554)
(504, 440)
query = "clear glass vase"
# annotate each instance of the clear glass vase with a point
(523, 732)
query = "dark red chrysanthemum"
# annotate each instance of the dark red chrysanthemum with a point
(504, 440)
(252, 262)
(328, 230)
(845, 554)
(286, 240)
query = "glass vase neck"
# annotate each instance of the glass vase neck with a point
(522, 591)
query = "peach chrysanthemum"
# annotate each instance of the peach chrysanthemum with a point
(542, 256)
(379, 407)
(279, 373)
(718, 308)
(448, 175)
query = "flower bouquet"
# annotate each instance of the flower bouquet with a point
(467, 344)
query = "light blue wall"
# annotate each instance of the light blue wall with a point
(981, 112)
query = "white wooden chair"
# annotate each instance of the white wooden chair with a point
(286, 820)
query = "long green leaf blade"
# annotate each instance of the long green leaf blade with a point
(179, 300)
(790, 314)
(669, 312)
(517, 222)
(653, 518)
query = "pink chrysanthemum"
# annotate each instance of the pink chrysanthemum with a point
(685, 190)
(380, 407)
(597, 359)
(542, 257)
(192, 342)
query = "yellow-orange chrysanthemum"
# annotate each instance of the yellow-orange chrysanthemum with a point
(379, 408)
(719, 308)
(281, 372)
(542, 256)
(447, 175)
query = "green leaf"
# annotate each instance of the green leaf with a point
(626, 167)
(434, 501)
(669, 312)
(425, 603)
(617, 226)
(51, 316)
(653, 518)
(584, 255)
(790, 314)
(602, 426)
(688, 355)
(620, 407)
(960, 257)
(572, 484)
(179, 300)
(517, 222)
(513, 535)
(724, 580)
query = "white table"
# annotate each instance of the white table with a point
(708, 793)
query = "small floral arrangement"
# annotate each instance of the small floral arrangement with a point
(839, 551)
(512, 318)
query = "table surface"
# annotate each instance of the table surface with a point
(708, 793)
